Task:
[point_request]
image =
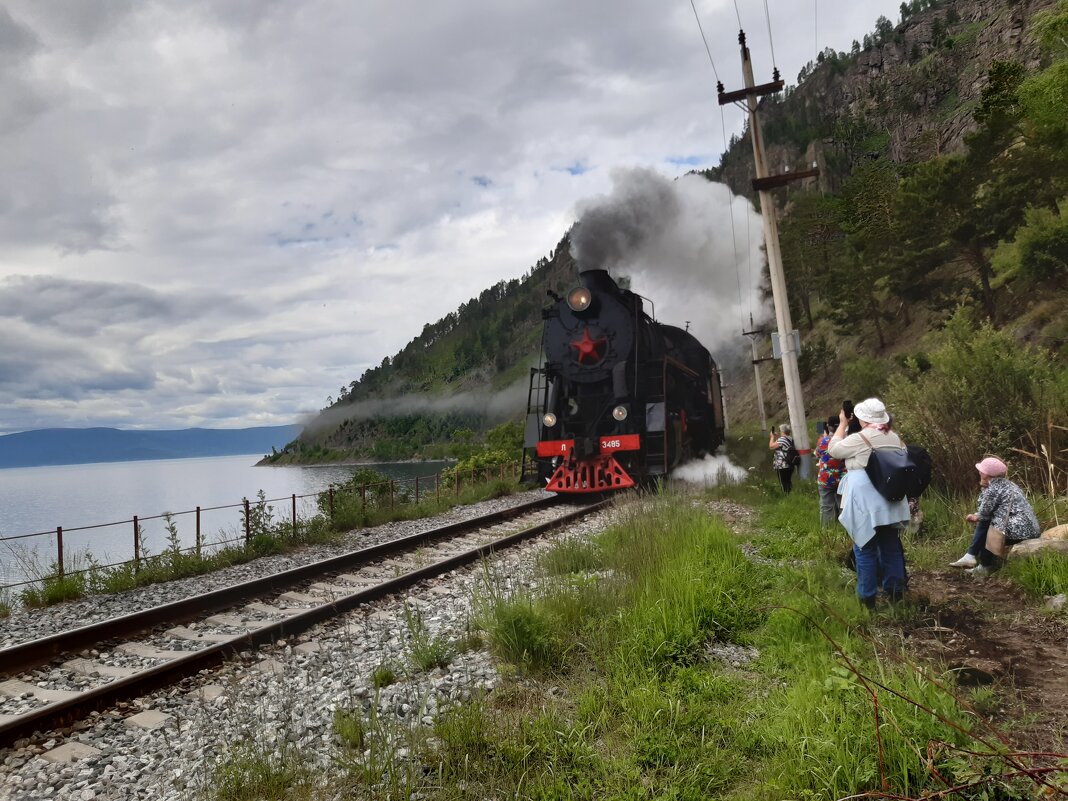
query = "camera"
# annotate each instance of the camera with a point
(854, 423)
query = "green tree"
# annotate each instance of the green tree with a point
(1039, 251)
(506, 437)
(812, 241)
(868, 217)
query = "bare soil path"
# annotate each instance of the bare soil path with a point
(991, 632)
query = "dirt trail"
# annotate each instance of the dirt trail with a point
(991, 632)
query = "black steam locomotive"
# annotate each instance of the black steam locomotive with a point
(621, 398)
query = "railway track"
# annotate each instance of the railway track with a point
(52, 682)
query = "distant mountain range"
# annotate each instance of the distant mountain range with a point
(52, 446)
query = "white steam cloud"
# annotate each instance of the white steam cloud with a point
(496, 407)
(710, 471)
(674, 239)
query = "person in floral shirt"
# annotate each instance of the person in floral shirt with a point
(829, 473)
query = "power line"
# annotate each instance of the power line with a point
(738, 13)
(816, 27)
(726, 187)
(767, 16)
(734, 238)
(705, 40)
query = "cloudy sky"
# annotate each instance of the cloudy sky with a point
(217, 212)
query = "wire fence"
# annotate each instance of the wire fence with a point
(139, 537)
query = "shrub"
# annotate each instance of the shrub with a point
(984, 393)
(865, 377)
(54, 589)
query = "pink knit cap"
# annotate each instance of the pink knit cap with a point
(992, 466)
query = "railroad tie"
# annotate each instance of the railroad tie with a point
(13, 688)
(148, 652)
(87, 667)
(271, 611)
(232, 621)
(184, 633)
(301, 597)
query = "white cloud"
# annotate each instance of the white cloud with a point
(217, 212)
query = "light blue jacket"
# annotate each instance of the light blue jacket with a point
(863, 508)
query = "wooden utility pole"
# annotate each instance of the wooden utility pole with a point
(756, 374)
(763, 184)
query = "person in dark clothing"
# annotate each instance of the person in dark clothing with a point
(782, 446)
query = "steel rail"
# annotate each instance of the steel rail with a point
(24, 656)
(64, 713)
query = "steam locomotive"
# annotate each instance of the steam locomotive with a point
(620, 398)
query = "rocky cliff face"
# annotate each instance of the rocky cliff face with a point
(911, 95)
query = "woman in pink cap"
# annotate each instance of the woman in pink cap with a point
(1002, 504)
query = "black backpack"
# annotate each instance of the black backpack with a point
(898, 473)
(793, 458)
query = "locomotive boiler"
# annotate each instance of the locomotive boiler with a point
(620, 398)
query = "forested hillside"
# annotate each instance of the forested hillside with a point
(463, 374)
(931, 254)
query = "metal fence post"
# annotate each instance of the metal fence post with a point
(363, 497)
(248, 523)
(199, 541)
(417, 490)
(294, 515)
(331, 502)
(437, 487)
(391, 495)
(137, 545)
(457, 475)
(59, 550)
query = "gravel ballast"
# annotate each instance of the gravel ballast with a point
(284, 696)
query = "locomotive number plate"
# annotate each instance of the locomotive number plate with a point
(621, 442)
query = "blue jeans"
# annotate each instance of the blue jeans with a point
(978, 546)
(881, 558)
(830, 505)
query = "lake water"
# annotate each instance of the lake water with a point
(108, 495)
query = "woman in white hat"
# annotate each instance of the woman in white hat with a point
(1003, 505)
(872, 521)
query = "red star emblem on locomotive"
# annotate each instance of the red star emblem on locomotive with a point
(589, 351)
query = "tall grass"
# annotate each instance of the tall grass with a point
(253, 772)
(1043, 573)
(646, 709)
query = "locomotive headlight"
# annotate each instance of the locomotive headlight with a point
(579, 299)
(620, 413)
(549, 419)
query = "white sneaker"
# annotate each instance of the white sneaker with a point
(982, 571)
(965, 561)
